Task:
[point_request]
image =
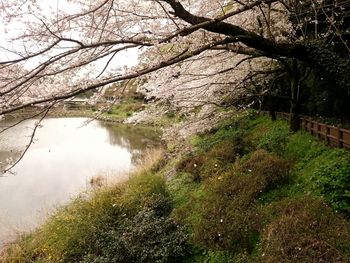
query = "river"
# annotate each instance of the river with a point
(65, 155)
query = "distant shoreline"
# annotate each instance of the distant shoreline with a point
(64, 114)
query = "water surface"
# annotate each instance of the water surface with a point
(65, 155)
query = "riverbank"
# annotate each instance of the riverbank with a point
(130, 103)
(249, 191)
(61, 113)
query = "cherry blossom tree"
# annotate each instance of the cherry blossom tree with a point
(59, 51)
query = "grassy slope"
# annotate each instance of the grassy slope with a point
(124, 109)
(261, 194)
(249, 192)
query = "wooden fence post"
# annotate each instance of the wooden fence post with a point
(328, 132)
(334, 136)
(306, 124)
(340, 138)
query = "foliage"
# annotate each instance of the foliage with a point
(182, 186)
(304, 230)
(322, 171)
(274, 140)
(187, 195)
(215, 151)
(228, 219)
(231, 131)
(234, 206)
(332, 179)
(271, 170)
(302, 146)
(242, 203)
(210, 256)
(146, 237)
(214, 161)
(123, 223)
(124, 109)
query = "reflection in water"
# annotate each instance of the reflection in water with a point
(64, 157)
(134, 138)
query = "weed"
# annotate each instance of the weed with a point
(270, 169)
(332, 179)
(145, 237)
(275, 140)
(209, 256)
(229, 220)
(224, 202)
(304, 230)
(302, 145)
(122, 223)
(214, 161)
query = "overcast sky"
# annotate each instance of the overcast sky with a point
(50, 8)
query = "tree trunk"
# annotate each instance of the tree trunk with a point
(294, 118)
(272, 114)
(271, 106)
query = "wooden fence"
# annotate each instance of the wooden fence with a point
(334, 136)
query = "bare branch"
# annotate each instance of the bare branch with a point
(37, 125)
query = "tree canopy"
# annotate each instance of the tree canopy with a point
(57, 51)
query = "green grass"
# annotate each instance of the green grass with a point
(124, 109)
(233, 213)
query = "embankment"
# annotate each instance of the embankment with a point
(249, 191)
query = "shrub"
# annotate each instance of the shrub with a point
(227, 221)
(214, 161)
(271, 170)
(231, 131)
(303, 146)
(146, 190)
(192, 164)
(275, 140)
(331, 179)
(229, 150)
(210, 256)
(122, 223)
(146, 237)
(304, 230)
(228, 217)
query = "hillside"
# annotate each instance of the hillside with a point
(248, 191)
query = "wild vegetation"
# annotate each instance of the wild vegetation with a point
(249, 191)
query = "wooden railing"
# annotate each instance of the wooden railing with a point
(334, 136)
